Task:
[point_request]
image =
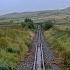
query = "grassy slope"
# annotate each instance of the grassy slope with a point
(59, 38)
(13, 44)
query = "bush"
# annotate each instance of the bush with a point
(4, 65)
(13, 50)
(47, 25)
(28, 23)
(27, 20)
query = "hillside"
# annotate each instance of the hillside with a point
(37, 13)
(58, 15)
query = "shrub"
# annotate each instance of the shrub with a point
(28, 23)
(13, 50)
(4, 65)
(27, 20)
(31, 25)
(47, 25)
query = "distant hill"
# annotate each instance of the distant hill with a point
(38, 15)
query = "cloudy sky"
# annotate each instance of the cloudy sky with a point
(8, 6)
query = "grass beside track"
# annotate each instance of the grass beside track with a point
(14, 44)
(59, 39)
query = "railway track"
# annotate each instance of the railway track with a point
(39, 60)
(42, 57)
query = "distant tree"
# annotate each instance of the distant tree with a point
(28, 23)
(31, 25)
(27, 20)
(47, 25)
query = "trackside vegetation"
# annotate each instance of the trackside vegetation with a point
(47, 25)
(14, 44)
(28, 24)
(59, 39)
(15, 41)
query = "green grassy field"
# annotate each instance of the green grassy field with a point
(14, 44)
(59, 39)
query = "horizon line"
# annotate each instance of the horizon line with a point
(31, 11)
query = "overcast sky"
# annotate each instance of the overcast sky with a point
(7, 6)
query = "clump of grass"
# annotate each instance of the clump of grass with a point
(13, 50)
(4, 66)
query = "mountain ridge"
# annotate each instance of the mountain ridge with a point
(36, 13)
